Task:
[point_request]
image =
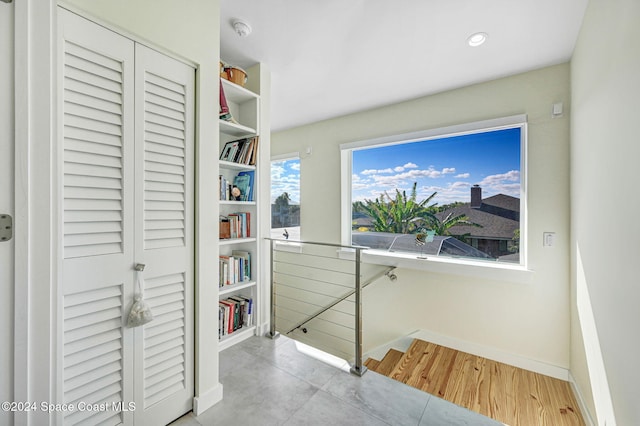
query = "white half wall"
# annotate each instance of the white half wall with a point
(529, 320)
(605, 87)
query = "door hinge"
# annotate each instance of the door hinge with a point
(6, 226)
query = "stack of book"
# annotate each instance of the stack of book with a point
(244, 181)
(242, 151)
(235, 268)
(233, 314)
(239, 224)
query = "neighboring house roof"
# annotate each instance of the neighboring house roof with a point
(441, 245)
(499, 216)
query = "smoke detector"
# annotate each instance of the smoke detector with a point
(241, 28)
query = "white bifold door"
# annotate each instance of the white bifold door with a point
(126, 184)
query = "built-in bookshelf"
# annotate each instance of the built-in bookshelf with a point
(239, 209)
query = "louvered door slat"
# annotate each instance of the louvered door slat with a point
(161, 148)
(165, 89)
(161, 110)
(75, 49)
(81, 98)
(165, 140)
(80, 146)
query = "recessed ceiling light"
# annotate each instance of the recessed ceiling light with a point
(477, 39)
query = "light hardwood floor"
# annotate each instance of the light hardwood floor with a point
(505, 393)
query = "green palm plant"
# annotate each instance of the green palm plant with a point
(443, 227)
(406, 215)
(401, 215)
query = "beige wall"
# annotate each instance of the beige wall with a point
(190, 29)
(605, 74)
(527, 320)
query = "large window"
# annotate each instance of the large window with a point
(285, 197)
(455, 192)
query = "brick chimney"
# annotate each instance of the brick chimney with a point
(476, 197)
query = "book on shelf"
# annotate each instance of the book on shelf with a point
(239, 225)
(235, 268)
(243, 183)
(225, 113)
(241, 151)
(250, 174)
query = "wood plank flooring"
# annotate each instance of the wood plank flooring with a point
(505, 393)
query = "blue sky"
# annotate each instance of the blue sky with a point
(285, 177)
(448, 166)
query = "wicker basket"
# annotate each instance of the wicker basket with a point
(235, 75)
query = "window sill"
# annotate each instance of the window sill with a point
(290, 246)
(446, 265)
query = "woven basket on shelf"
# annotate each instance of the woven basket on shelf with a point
(235, 75)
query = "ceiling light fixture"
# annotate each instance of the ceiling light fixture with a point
(241, 28)
(477, 39)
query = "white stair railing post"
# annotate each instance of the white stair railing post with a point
(272, 323)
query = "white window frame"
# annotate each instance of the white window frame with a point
(285, 245)
(442, 264)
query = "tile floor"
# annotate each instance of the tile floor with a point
(271, 382)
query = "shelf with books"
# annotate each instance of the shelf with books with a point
(230, 288)
(229, 241)
(236, 129)
(237, 203)
(230, 165)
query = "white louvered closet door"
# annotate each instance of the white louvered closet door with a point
(97, 70)
(164, 238)
(127, 173)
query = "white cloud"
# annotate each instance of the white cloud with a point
(295, 166)
(459, 185)
(398, 169)
(448, 170)
(374, 171)
(410, 166)
(463, 176)
(510, 176)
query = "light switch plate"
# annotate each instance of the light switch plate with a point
(548, 239)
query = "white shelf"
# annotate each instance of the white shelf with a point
(235, 287)
(237, 203)
(235, 166)
(236, 93)
(236, 337)
(229, 241)
(234, 129)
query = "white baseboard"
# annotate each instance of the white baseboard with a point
(202, 403)
(581, 402)
(494, 354)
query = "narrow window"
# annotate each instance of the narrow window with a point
(285, 198)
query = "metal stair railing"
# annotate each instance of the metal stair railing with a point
(312, 279)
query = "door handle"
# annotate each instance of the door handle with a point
(139, 267)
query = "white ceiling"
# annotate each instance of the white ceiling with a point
(333, 57)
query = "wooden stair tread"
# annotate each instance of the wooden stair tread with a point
(411, 358)
(372, 364)
(389, 361)
(505, 393)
